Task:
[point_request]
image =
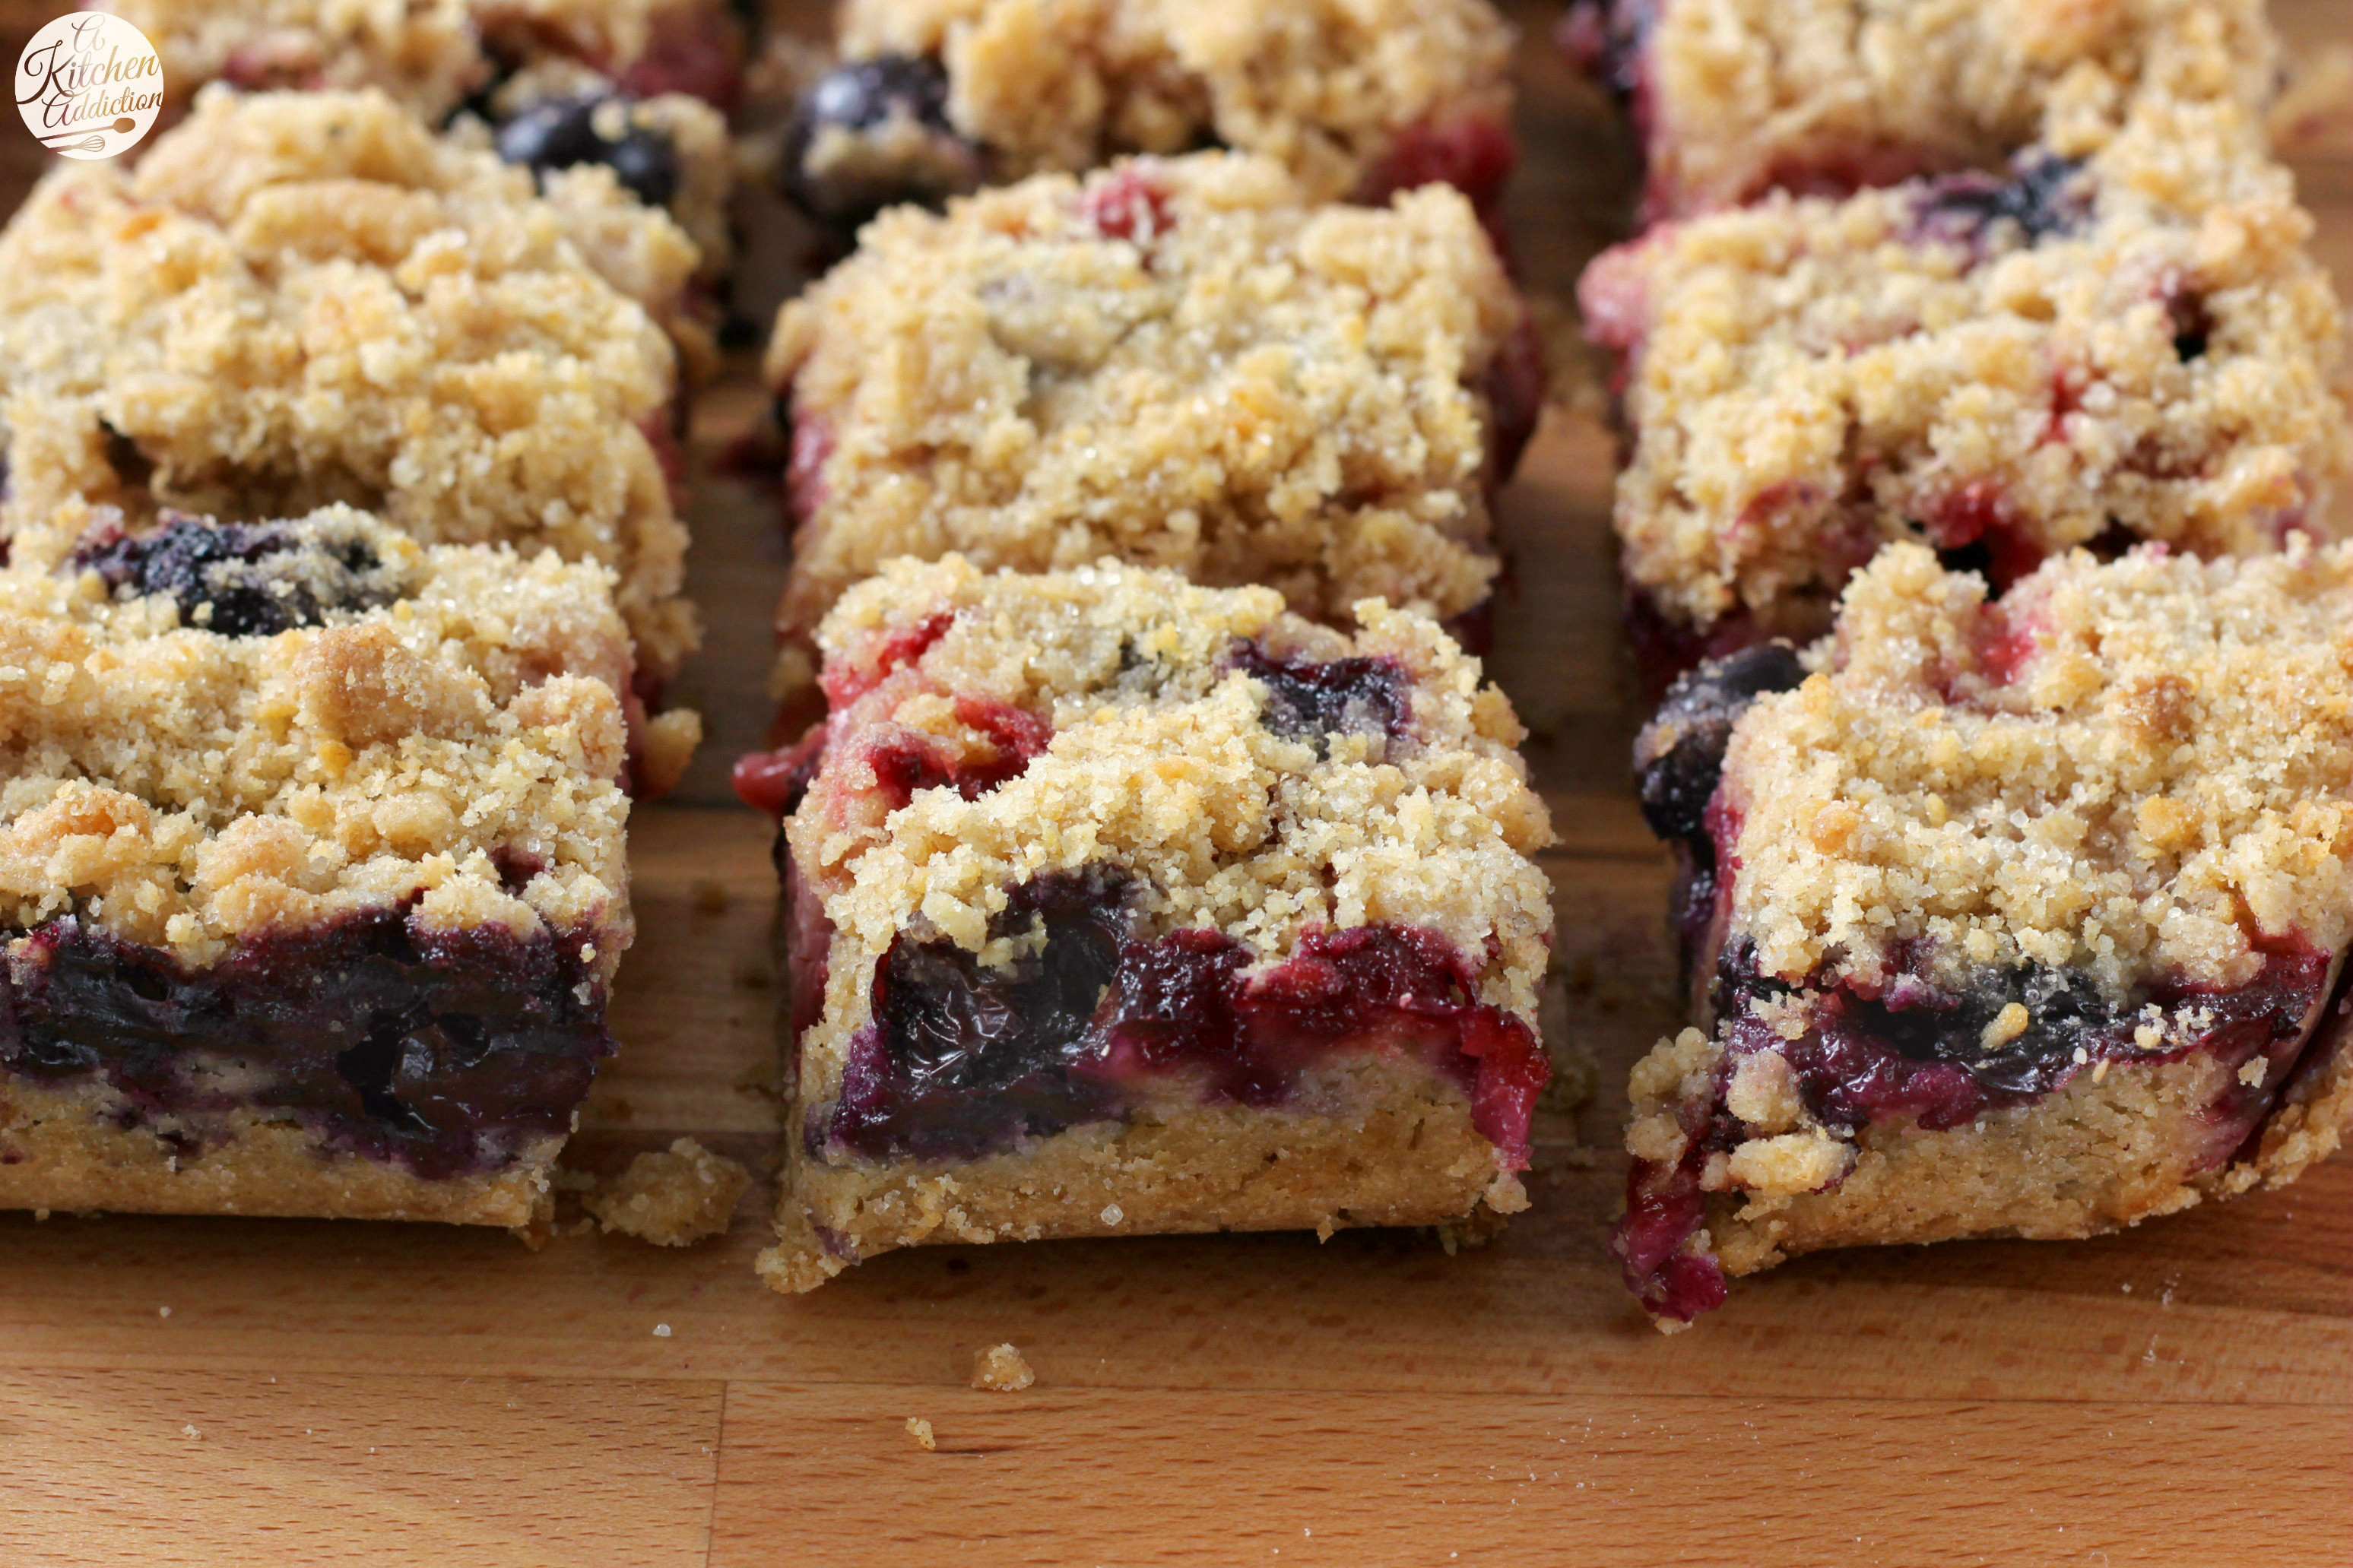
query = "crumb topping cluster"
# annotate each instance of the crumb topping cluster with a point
(2138, 348)
(424, 53)
(2140, 770)
(1162, 761)
(1326, 88)
(453, 736)
(431, 54)
(1746, 94)
(1177, 361)
(304, 298)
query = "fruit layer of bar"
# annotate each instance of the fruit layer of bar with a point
(1107, 889)
(311, 868)
(2024, 917)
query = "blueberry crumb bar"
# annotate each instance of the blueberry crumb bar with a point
(1120, 905)
(1183, 363)
(2135, 345)
(2024, 917)
(639, 90)
(311, 849)
(1357, 99)
(301, 298)
(1733, 97)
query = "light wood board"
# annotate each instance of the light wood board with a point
(269, 1391)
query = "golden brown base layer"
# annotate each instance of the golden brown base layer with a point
(61, 1150)
(1405, 1156)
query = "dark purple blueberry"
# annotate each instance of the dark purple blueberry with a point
(2044, 197)
(872, 133)
(1309, 699)
(963, 1060)
(1679, 755)
(242, 579)
(1913, 1050)
(564, 133)
(1607, 39)
(441, 1052)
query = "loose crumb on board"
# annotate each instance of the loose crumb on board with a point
(672, 1199)
(1001, 1368)
(921, 1431)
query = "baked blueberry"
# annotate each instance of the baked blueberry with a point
(564, 133)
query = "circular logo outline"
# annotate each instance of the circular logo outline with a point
(88, 85)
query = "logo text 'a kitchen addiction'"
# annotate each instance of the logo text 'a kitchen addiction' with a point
(88, 85)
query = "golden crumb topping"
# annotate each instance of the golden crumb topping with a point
(2140, 770)
(1160, 758)
(304, 298)
(452, 735)
(1747, 93)
(1180, 363)
(672, 1198)
(2141, 346)
(422, 52)
(1324, 86)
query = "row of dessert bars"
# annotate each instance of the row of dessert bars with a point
(1980, 519)
(340, 432)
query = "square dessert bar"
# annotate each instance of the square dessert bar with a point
(300, 297)
(311, 868)
(2135, 346)
(2014, 918)
(1733, 97)
(1358, 98)
(1120, 905)
(1184, 363)
(639, 91)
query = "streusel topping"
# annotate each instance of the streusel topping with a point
(1181, 363)
(2140, 346)
(422, 52)
(451, 734)
(2139, 770)
(1324, 86)
(303, 297)
(1749, 93)
(1167, 762)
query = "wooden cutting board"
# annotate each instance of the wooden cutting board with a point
(272, 1392)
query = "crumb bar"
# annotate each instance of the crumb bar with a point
(2024, 917)
(1183, 363)
(1733, 97)
(1120, 905)
(2133, 346)
(1358, 98)
(640, 91)
(311, 848)
(301, 298)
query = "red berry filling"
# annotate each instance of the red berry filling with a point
(1474, 155)
(442, 1052)
(1128, 204)
(963, 1061)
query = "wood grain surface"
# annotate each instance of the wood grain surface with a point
(276, 1392)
